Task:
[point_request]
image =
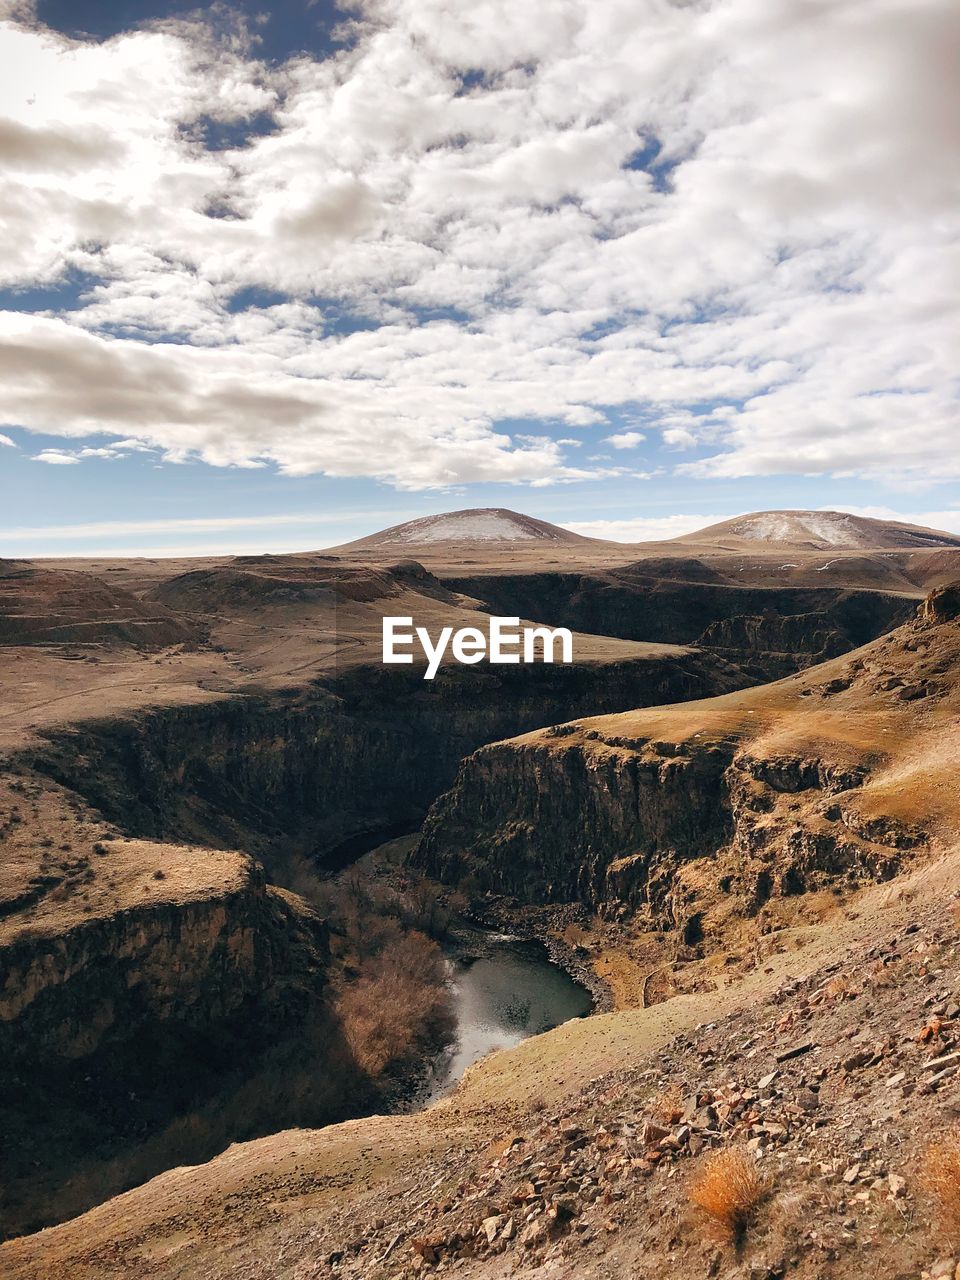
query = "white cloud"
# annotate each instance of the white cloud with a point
(7, 441)
(782, 297)
(626, 439)
(679, 437)
(56, 458)
(183, 525)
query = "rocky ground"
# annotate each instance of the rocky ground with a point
(835, 1087)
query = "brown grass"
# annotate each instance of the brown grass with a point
(728, 1189)
(940, 1177)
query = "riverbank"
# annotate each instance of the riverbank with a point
(546, 926)
(507, 979)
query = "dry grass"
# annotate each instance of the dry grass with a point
(728, 1190)
(940, 1177)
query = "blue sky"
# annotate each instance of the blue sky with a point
(282, 275)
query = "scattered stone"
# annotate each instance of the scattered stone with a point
(897, 1185)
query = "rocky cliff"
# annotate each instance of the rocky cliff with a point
(693, 813)
(608, 820)
(362, 756)
(786, 642)
(544, 820)
(143, 988)
(690, 603)
(163, 967)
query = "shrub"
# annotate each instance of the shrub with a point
(729, 1189)
(940, 1177)
(397, 1006)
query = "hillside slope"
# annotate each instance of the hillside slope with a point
(818, 530)
(574, 1155)
(481, 525)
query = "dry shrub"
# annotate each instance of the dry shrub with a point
(728, 1189)
(397, 1006)
(940, 1177)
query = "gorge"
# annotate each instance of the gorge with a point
(164, 811)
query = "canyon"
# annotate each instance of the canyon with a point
(746, 743)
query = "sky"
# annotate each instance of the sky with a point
(276, 276)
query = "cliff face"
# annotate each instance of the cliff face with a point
(638, 604)
(722, 807)
(788, 642)
(363, 757)
(718, 808)
(192, 965)
(608, 820)
(143, 988)
(587, 822)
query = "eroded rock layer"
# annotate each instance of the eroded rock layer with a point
(691, 812)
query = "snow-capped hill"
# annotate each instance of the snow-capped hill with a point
(820, 530)
(481, 524)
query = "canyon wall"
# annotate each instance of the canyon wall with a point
(363, 756)
(574, 816)
(152, 1033)
(543, 821)
(807, 625)
(173, 967)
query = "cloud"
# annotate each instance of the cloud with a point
(626, 439)
(7, 441)
(713, 218)
(56, 458)
(178, 525)
(679, 437)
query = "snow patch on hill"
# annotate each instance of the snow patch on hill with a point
(830, 528)
(473, 526)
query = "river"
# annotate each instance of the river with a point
(504, 990)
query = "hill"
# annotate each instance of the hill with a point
(40, 605)
(475, 525)
(817, 531)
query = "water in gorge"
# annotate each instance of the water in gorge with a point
(504, 990)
